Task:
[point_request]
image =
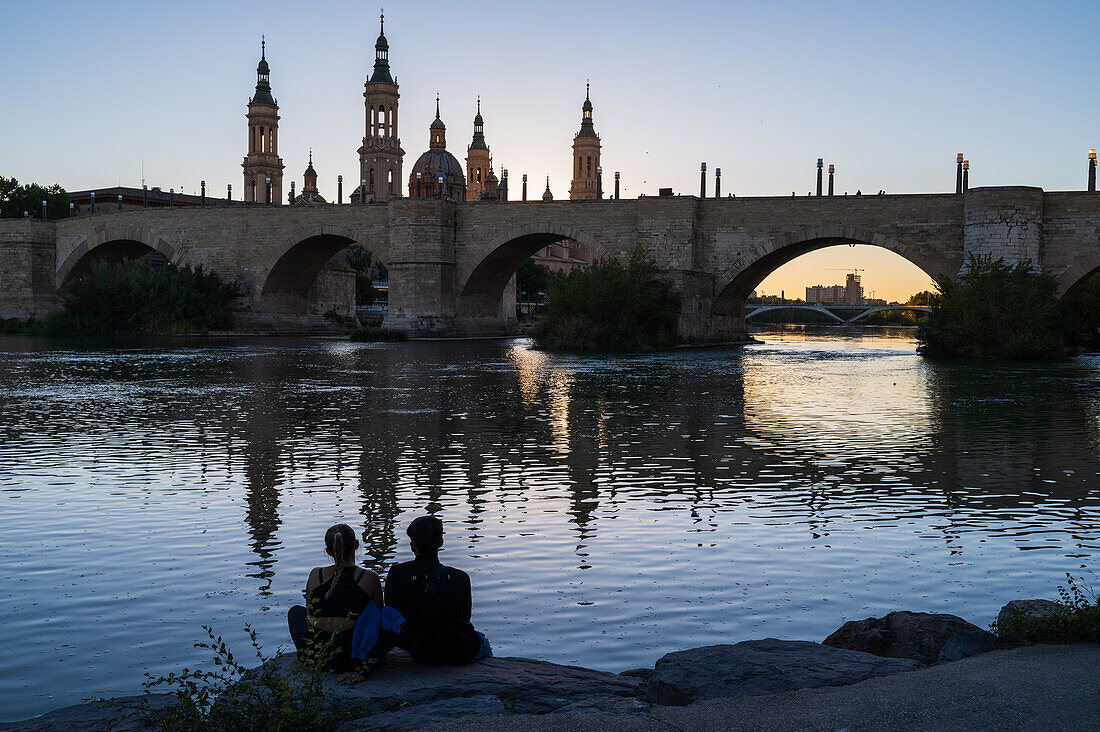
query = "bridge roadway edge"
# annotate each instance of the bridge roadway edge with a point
(451, 265)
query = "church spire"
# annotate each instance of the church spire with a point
(382, 55)
(263, 78)
(478, 142)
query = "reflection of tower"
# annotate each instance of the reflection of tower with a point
(263, 168)
(262, 514)
(381, 155)
(586, 157)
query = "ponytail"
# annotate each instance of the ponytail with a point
(340, 543)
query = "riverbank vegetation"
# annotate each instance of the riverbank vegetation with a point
(136, 297)
(610, 305)
(995, 310)
(1073, 618)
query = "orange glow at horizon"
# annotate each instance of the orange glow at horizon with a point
(885, 275)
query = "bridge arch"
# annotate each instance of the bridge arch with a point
(111, 245)
(1080, 270)
(734, 286)
(289, 274)
(481, 289)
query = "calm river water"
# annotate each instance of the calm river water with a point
(608, 509)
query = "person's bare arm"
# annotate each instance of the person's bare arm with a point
(372, 585)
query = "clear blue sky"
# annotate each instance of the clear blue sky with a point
(887, 91)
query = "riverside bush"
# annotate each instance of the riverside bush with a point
(995, 310)
(1075, 619)
(136, 297)
(610, 306)
(233, 697)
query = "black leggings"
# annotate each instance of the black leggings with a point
(305, 637)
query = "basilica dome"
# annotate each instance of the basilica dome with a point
(426, 171)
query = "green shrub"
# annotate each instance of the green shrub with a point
(1075, 619)
(371, 334)
(272, 696)
(136, 297)
(610, 306)
(995, 310)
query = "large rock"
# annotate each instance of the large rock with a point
(521, 684)
(761, 667)
(903, 634)
(1027, 610)
(422, 715)
(120, 714)
(967, 643)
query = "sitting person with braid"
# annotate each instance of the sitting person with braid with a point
(435, 602)
(335, 597)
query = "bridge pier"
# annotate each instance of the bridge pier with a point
(27, 265)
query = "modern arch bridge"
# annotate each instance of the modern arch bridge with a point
(451, 266)
(836, 312)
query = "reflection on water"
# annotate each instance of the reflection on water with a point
(608, 509)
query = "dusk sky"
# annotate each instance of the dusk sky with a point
(889, 92)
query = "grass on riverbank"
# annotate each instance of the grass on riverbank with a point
(610, 306)
(134, 297)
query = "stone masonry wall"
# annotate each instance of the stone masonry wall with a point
(26, 269)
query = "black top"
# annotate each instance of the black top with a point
(347, 598)
(435, 600)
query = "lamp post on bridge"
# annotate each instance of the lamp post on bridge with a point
(92, 196)
(966, 176)
(717, 182)
(339, 189)
(832, 169)
(202, 193)
(72, 209)
(120, 202)
(599, 182)
(1092, 171)
(144, 196)
(702, 180)
(229, 191)
(820, 163)
(616, 184)
(43, 210)
(959, 173)
(525, 185)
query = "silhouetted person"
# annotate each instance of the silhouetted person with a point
(335, 598)
(435, 600)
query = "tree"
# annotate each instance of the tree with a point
(995, 310)
(531, 279)
(610, 306)
(924, 297)
(16, 198)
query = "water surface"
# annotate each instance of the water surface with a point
(608, 509)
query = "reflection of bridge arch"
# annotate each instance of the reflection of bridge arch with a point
(293, 269)
(112, 245)
(729, 301)
(492, 266)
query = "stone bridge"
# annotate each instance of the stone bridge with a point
(452, 266)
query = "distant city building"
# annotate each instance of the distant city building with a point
(850, 293)
(263, 168)
(564, 256)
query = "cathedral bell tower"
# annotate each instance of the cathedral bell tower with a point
(478, 163)
(263, 168)
(586, 156)
(381, 154)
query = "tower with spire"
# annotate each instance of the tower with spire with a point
(586, 156)
(437, 173)
(381, 155)
(478, 164)
(263, 168)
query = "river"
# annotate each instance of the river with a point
(608, 509)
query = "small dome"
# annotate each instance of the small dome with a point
(431, 163)
(262, 67)
(437, 123)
